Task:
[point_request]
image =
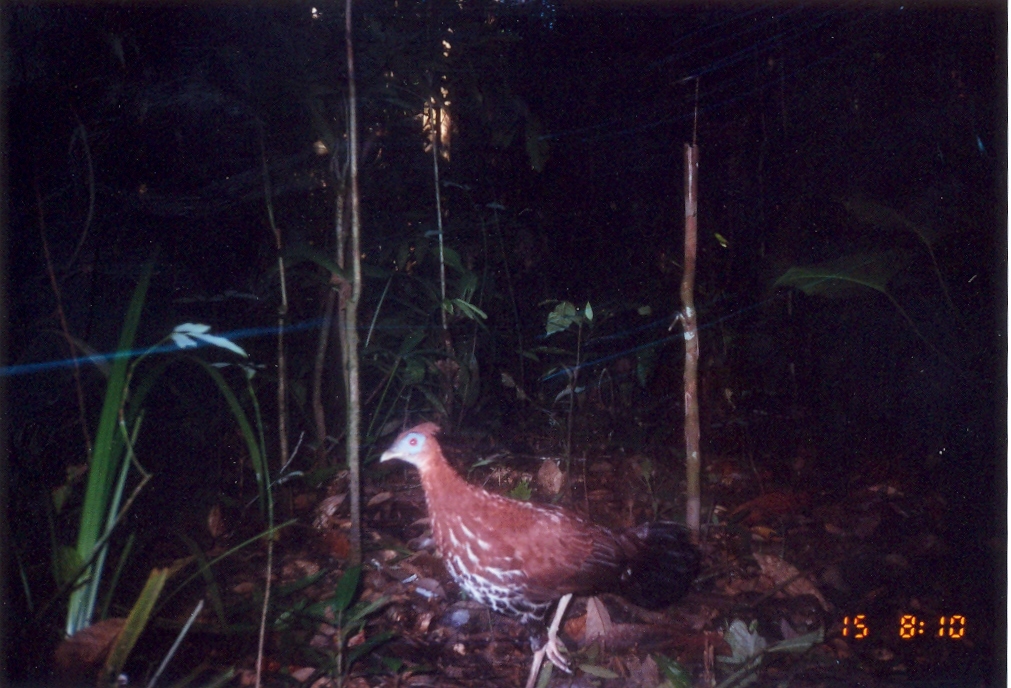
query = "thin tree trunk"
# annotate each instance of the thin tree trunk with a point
(449, 368)
(693, 459)
(350, 311)
(322, 344)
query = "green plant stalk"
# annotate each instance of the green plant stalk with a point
(212, 585)
(106, 456)
(269, 505)
(382, 397)
(117, 494)
(572, 397)
(175, 645)
(135, 624)
(253, 444)
(114, 581)
(375, 316)
(270, 532)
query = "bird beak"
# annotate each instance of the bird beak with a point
(389, 454)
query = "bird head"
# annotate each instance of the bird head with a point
(416, 446)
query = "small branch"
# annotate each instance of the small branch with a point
(54, 284)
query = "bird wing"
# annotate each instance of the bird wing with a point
(558, 551)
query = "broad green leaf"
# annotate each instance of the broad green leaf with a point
(184, 335)
(413, 338)
(598, 671)
(136, 622)
(245, 427)
(363, 610)
(347, 586)
(468, 309)
(298, 253)
(885, 217)
(561, 317)
(846, 276)
(677, 676)
(369, 645)
(467, 285)
(744, 641)
(68, 563)
(300, 584)
(414, 371)
(452, 259)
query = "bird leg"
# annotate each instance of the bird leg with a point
(550, 648)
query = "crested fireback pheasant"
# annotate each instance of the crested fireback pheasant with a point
(518, 558)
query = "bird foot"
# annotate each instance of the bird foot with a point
(553, 651)
(554, 655)
(552, 648)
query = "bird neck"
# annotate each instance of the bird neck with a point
(441, 482)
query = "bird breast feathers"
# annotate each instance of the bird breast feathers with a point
(505, 534)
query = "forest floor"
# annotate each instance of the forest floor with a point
(858, 585)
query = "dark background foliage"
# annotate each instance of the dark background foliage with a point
(564, 182)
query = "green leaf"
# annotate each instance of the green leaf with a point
(538, 149)
(403, 255)
(598, 671)
(588, 311)
(363, 610)
(411, 341)
(183, 335)
(299, 253)
(245, 427)
(802, 643)
(646, 468)
(300, 584)
(452, 259)
(561, 317)
(467, 285)
(845, 277)
(104, 463)
(369, 645)
(468, 309)
(135, 624)
(414, 371)
(884, 217)
(677, 676)
(213, 591)
(745, 643)
(347, 586)
(522, 491)
(392, 664)
(68, 563)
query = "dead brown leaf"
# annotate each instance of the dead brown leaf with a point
(215, 522)
(379, 499)
(781, 571)
(598, 621)
(84, 652)
(550, 477)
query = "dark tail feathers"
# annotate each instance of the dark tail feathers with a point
(664, 567)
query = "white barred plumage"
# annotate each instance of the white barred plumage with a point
(518, 558)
